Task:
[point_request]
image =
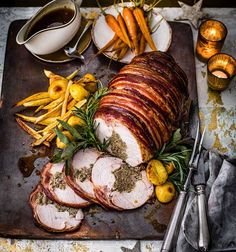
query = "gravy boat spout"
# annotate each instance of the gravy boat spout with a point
(51, 28)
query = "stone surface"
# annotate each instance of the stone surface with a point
(217, 112)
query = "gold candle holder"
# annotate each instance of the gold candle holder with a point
(221, 69)
(211, 37)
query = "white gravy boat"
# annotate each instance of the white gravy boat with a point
(51, 39)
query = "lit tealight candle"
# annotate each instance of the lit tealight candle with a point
(221, 69)
(210, 40)
(220, 74)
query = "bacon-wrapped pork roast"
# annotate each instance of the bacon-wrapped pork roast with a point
(143, 108)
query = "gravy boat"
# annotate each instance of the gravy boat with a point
(50, 39)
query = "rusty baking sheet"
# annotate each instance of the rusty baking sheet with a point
(23, 75)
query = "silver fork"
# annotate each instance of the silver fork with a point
(177, 215)
(72, 51)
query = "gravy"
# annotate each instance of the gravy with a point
(52, 19)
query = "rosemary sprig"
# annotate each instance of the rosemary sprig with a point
(178, 152)
(83, 136)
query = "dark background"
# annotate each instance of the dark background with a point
(92, 3)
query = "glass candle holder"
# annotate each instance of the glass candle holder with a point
(211, 37)
(221, 69)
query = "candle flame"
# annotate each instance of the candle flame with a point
(213, 32)
(220, 74)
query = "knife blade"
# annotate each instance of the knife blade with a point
(199, 181)
(199, 176)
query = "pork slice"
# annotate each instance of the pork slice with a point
(80, 174)
(141, 193)
(53, 181)
(126, 141)
(51, 216)
(104, 179)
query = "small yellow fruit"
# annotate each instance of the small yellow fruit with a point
(91, 86)
(78, 92)
(156, 172)
(166, 192)
(170, 167)
(57, 88)
(75, 120)
(59, 143)
(88, 77)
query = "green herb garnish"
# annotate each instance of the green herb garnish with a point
(84, 136)
(178, 152)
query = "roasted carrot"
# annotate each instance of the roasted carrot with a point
(72, 75)
(131, 25)
(119, 44)
(30, 131)
(142, 44)
(39, 102)
(114, 25)
(34, 97)
(139, 16)
(66, 98)
(49, 113)
(116, 44)
(123, 52)
(71, 104)
(124, 29)
(41, 140)
(39, 109)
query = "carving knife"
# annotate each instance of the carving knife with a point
(200, 183)
(172, 231)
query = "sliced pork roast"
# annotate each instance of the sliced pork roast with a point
(80, 173)
(51, 216)
(144, 106)
(119, 186)
(53, 181)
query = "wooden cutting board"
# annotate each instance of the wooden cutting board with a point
(23, 75)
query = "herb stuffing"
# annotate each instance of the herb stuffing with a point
(83, 135)
(42, 199)
(72, 211)
(117, 146)
(58, 181)
(126, 177)
(83, 173)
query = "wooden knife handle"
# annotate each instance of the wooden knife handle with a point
(203, 235)
(172, 231)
